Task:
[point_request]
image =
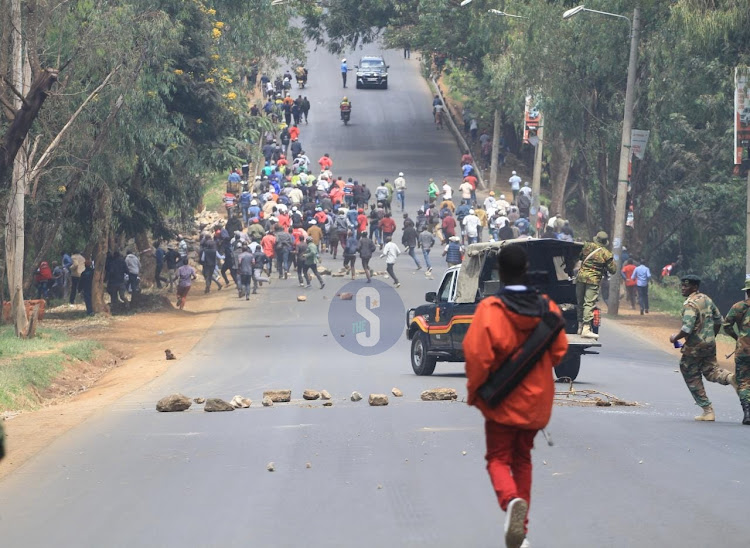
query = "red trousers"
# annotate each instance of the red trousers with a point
(509, 461)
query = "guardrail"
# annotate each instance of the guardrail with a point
(460, 141)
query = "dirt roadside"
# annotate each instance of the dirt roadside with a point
(135, 346)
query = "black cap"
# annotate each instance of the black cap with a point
(692, 278)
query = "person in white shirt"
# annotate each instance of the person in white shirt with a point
(515, 184)
(470, 227)
(526, 189)
(391, 253)
(447, 191)
(465, 189)
(400, 185)
(502, 205)
(489, 203)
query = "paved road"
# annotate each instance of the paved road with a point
(392, 476)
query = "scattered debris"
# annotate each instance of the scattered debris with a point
(267, 402)
(169, 354)
(439, 394)
(271, 467)
(356, 396)
(278, 396)
(217, 404)
(590, 397)
(463, 453)
(199, 400)
(327, 404)
(396, 392)
(311, 394)
(345, 296)
(308, 465)
(380, 486)
(324, 395)
(378, 399)
(301, 298)
(239, 401)
(175, 402)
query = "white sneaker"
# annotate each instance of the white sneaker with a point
(514, 523)
(525, 543)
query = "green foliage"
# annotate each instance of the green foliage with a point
(183, 72)
(29, 366)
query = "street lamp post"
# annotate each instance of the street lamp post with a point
(613, 304)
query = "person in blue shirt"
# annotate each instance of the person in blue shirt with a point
(344, 70)
(642, 277)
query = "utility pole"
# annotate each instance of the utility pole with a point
(747, 230)
(622, 175)
(495, 150)
(536, 181)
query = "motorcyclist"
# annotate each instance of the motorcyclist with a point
(345, 106)
(301, 74)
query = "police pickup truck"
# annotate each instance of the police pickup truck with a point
(437, 329)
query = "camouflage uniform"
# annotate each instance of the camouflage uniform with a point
(738, 316)
(590, 277)
(700, 318)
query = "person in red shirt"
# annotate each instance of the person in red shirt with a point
(449, 227)
(500, 326)
(627, 272)
(294, 132)
(325, 162)
(361, 221)
(336, 194)
(282, 161)
(268, 245)
(466, 158)
(387, 226)
(284, 220)
(299, 235)
(321, 216)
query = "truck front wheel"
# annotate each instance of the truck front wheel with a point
(421, 363)
(569, 367)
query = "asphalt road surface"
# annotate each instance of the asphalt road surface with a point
(644, 476)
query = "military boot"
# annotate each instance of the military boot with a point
(746, 410)
(587, 333)
(708, 414)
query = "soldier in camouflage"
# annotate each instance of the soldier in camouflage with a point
(595, 260)
(701, 322)
(738, 316)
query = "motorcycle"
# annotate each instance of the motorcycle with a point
(345, 114)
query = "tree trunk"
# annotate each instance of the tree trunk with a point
(101, 237)
(24, 117)
(14, 217)
(562, 153)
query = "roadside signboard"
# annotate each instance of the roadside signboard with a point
(638, 141)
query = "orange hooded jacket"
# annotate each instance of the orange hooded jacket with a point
(495, 332)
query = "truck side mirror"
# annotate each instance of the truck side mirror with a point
(430, 296)
(387, 67)
(356, 66)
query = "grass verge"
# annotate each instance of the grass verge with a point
(30, 366)
(215, 188)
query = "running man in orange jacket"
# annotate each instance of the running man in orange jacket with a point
(501, 325)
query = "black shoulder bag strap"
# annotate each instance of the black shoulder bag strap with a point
(505, 379)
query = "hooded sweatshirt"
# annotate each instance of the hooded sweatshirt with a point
(501, 324)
